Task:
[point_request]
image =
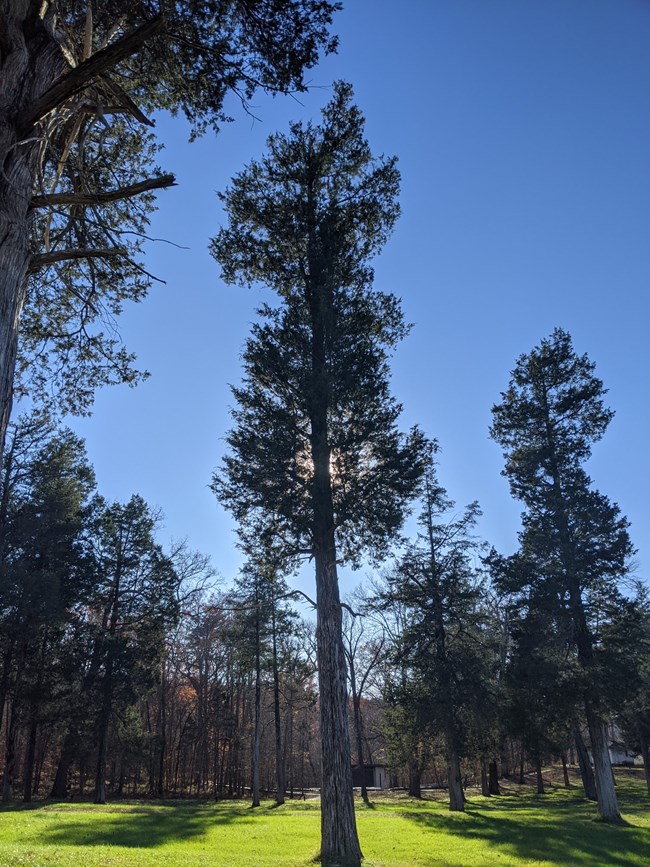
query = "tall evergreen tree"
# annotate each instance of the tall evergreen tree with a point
(136, 599)
(437, 581)
(574, 539)
(315, 451)
(47, 484)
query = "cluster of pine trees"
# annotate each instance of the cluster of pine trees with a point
(120, 669)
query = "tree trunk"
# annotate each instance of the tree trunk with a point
(645, 754)
(586, 772)
(456, 795)
(485, 788)
(605, 791)
(162, 739)
(493, 779)
(68, 754)
(258, 700)
(340, 844)
(29, 66)
(30, 755)
(565, 772)
(102, 727)
(358, 730)
(339, 840)
(277, 719)
(12, 726)
(10, 757)
(415, 780)
(538, 775)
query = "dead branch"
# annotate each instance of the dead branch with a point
(70, 198)
(45, 259)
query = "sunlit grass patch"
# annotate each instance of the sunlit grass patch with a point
(519, 828)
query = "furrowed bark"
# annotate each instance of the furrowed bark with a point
(27, 69)
(607, 800)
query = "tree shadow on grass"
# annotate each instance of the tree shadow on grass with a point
(562, 831)
(134, 827)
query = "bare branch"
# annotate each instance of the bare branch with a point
(70, 198)
(350, 611)
(78, 78)
(295, 593)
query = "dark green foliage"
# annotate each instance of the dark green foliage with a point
(304, 221)
(69, 342)
(440, 652)
(575, 546)
(44, 573)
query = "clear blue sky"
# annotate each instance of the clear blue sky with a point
(523, 133)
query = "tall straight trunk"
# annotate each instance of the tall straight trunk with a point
(103, 724)
(586, 772)
(162, 737)
(30, 756)
(289, 747)
(485, 788)
(12, 726)
(522, 778)
(30, 749)
(565, 772)
(538, 775)
(258, 700)
(339, 839)
(7, 662)
(493, 779)
(456, 795)
(358, 731)
(445, 667)
(68, 754)
(645, 754)
(277, 719)
(415, 780)
(10, 756)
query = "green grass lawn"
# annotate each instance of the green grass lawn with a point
(516, 828)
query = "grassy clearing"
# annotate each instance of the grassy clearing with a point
(517, 828)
